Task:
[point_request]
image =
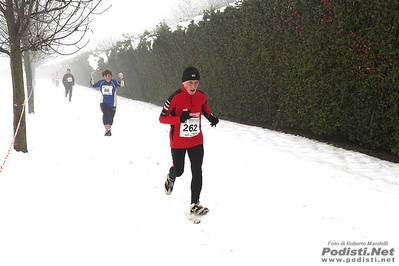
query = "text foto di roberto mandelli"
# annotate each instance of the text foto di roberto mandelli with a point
(354, 243)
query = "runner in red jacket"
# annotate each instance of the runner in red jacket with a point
(183, 111)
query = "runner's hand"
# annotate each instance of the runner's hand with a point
(184, 116)
(213, 119)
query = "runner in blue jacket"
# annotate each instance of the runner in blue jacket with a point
(107, 87)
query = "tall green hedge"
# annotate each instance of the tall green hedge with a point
(325, 67)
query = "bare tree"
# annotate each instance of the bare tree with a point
(185, 10)
(215, 4)
(31, 59)
(105, 44)
(29, 73)
(39, 25)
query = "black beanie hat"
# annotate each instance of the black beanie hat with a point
(190, 73)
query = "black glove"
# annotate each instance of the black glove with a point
(184, 116)
(213, 119)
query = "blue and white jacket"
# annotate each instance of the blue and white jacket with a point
(108, 90)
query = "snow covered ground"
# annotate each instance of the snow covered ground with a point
(79, 198)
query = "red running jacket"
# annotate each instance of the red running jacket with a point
(189, 133)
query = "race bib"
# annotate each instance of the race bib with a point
(106, 90)
(69, 79)
(190, 128)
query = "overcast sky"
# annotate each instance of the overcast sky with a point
(133, 17)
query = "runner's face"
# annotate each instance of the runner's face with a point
(191, 86)
(108, 78)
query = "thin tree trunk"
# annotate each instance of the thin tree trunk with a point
(20, 143)
(29, 82)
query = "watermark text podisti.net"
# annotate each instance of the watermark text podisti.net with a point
(352, 252)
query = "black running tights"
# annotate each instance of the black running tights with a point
(196, 155)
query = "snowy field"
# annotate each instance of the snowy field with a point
(79, 198)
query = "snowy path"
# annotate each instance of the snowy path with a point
(79, 198)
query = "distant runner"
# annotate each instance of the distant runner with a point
(69, 81)
(107, 87)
